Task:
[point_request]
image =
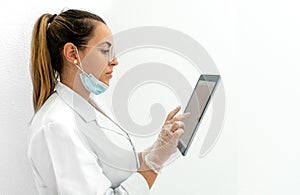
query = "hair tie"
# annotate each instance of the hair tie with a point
(51, 19)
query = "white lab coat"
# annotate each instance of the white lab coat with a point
(76, 150)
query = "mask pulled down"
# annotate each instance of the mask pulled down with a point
(89, 81)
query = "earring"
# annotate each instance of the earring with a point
(75, 62)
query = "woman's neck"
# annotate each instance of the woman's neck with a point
(76, 85)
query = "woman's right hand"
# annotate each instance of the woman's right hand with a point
(166, 143)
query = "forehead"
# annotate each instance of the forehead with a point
(101, 34)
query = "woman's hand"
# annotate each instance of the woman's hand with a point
(166, 143)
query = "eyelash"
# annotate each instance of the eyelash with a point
(104, 51)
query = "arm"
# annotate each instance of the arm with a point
(147, 173)
(153, 158)
(75, 169)
(144, 170)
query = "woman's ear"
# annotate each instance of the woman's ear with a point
(70, 53)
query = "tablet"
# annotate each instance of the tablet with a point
(197, 106)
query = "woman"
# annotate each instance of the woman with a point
(69, 150)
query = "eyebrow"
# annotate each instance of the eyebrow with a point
(106, 42)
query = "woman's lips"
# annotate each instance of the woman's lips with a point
(109, 74)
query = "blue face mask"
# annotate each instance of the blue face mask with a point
(89, 82)
(92, 84)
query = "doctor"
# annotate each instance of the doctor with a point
(75, 148)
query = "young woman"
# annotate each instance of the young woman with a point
(69, 149)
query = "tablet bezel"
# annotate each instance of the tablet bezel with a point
(205, 77)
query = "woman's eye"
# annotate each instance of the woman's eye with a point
(104, 51)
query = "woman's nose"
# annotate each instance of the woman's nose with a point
(114, 62)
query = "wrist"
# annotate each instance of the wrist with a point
(153, 163)
(147, 173)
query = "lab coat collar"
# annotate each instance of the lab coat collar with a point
(76, 102)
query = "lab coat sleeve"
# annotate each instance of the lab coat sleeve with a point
(76, 169)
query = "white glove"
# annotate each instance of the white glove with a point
(146, 151)
(166, 143)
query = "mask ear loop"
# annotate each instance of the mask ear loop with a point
(80, 64)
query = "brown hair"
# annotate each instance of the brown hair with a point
(50, 34)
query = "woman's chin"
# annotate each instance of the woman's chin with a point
(106, 82)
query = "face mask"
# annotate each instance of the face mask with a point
(90, 83)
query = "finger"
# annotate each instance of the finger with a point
(173, 113)
(176, 125)
(178, 133)
(167, 126)
(182, 116)
(165, 136)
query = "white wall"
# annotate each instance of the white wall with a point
(255, 45)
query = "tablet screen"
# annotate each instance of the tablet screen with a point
(196, 106)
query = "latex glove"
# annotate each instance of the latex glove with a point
(167, 140)
(146, 151)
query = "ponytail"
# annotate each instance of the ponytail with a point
(42, 73)
(50, 34)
